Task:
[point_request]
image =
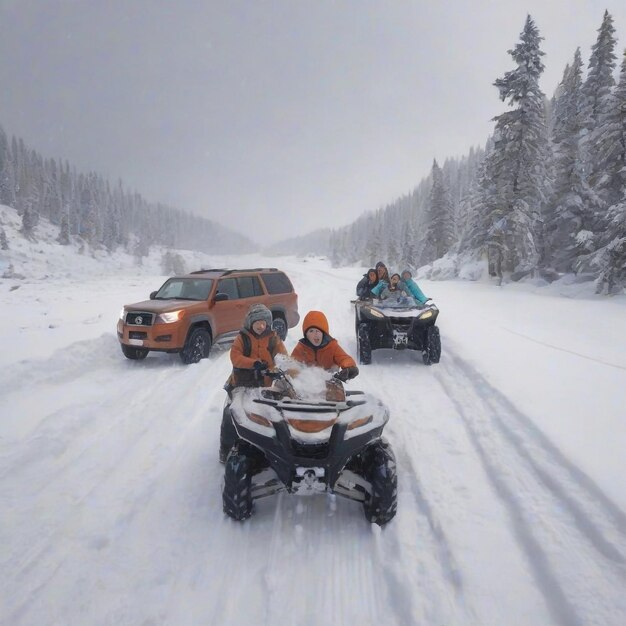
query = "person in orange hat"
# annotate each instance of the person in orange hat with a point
(317, 347)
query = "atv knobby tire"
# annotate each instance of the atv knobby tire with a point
(363, 344)
(133, 353)
(237, 491)
(432, 346)
(197, 346)
(380, 471)
(228, 433)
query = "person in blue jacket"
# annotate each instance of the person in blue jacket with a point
(412, 287)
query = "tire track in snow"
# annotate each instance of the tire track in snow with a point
(446, 558)
(529, 435)
(433, 540)
(549, 345)
(56, 536)
(522, 483)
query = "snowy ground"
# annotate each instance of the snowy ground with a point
(510, 453)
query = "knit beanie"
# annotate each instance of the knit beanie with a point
(256, 313)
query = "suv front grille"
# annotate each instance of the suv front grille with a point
(138, 318)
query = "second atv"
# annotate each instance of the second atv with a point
(398, 324)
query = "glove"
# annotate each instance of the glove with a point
(429, 302)
(260, 366)
(346, 374)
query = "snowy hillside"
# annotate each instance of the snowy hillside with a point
(512, 503)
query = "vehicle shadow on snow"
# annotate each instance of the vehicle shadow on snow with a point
(156, 360)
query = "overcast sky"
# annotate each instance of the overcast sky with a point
(273, 117)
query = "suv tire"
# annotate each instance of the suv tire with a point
(197, 346)
(280, 326)
(133, 353)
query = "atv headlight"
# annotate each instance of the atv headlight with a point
(425, 315)
(169, 318)
(259, 419)
(376, 313)
(360, 422)
(123, 314)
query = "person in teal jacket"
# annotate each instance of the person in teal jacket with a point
(412, 287)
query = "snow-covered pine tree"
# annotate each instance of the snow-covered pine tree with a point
(610, 144)
(597, 92)
(5, 169)
(439, 225)
(4, 243)
(515, 175)
(64, 230)
(570, 216)
(600, 81)
(609, 260)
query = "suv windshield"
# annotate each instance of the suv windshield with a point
(185, 289)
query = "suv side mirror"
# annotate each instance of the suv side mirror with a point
(153, 295)
(220, 297)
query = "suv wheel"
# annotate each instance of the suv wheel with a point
(197, 346)
(136, 354)
(280, 326)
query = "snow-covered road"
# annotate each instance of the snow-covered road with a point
(510, 455)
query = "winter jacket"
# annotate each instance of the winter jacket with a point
(329, 353)
(244, 374)
(414, 290)
(364, 288)
(376, 291)
(385, 292)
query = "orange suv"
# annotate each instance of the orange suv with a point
(190, 313)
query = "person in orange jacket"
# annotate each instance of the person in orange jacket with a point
(251, 354)
(254, 349)
(317, 347)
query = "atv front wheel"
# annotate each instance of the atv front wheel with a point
(133, 353)
(237, 491)
(197, 346)
(432, 346)
(380, 471)
(364, 347)
(228, 434)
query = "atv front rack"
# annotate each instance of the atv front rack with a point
(289, 404)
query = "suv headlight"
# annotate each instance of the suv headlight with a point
(123, 314)
(169, 318)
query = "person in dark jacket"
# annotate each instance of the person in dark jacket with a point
(366, 284)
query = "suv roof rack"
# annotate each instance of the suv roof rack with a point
(252, 269)
(232, 271)
(215, 269)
